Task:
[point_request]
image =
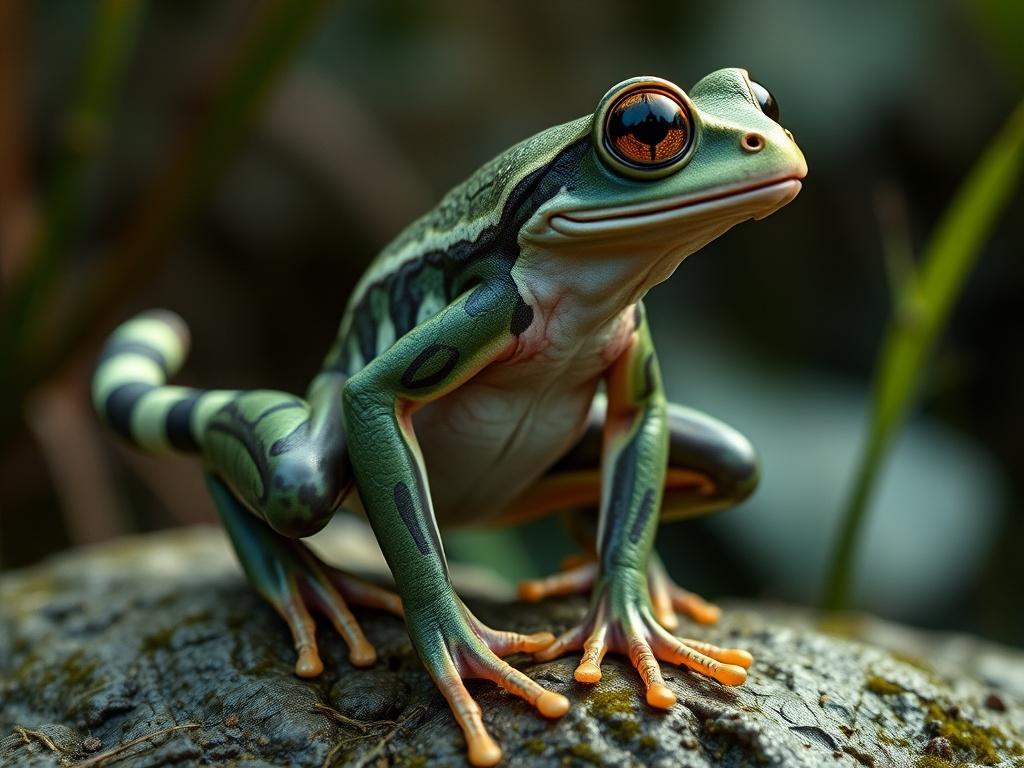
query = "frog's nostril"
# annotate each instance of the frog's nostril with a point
(752, 142)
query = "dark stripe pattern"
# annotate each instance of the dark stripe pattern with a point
(489, 257)
(121, 403)
(646, 507)
(116, 347)
(178, 424)
(407, 510)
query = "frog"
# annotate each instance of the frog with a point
(495, 364)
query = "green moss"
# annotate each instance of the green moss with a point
(624, 730)
(842, 625)
(885, 738)
(914, 661)
(535, 746)
(605, 704)
(415, 761)
(617, 709)
(932, 761)
(78, 670)
(158, 641)
(586, 753)
(648, 742)
(882, 687)
(981, 743)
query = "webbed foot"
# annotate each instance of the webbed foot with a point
(621, 619)
(294, 580)
(667, 597)
(454, 646)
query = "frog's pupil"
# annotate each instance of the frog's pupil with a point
(648, 128)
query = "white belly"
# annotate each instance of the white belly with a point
(489, 440)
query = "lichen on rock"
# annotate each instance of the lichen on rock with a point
(102, 647)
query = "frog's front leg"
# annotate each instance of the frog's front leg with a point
(621, 617)
(711, 467)
(428, 362)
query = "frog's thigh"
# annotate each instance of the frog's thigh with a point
(283, 457)
(711, 466)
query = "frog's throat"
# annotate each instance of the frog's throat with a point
(727, 206)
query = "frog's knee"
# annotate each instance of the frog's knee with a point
(305, 487)
(740, 469)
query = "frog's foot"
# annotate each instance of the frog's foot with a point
(666, 596)
(299, 581)
(293, 580)
(621, 620)
(466, 648)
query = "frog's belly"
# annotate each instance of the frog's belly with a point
(487, 442)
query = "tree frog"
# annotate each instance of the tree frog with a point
(495, 364)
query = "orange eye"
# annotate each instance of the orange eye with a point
(648, 129)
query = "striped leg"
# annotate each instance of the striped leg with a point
(276, 467)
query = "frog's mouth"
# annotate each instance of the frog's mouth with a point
(727, 206)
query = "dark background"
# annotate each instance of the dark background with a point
(382, 107)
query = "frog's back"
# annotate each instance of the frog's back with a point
(471, 234)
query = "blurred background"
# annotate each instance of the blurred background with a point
(242, 162)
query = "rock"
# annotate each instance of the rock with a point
(102, 648)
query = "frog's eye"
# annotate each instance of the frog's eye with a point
(644, 128)
(765, 100)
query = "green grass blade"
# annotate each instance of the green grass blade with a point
(919, 317)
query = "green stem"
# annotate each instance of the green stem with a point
(921, 313)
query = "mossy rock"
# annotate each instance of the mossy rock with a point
(99, 647)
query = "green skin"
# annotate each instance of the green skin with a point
(471, 353)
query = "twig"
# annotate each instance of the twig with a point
(25, 733)
(97, 759)
(416, 713)
(362, 725)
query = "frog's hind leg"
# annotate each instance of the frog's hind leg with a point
(277, 468)
(292, 579)
(710, 467)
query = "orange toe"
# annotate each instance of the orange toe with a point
(363, 656)
(738, 657)
(707, 613)
(531, 591)
(587, 672)
(730, 674)
(660, 696)
(308, 664)
(551, 704)
(483, 752)
(538, 641)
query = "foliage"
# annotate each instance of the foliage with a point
(921, 309)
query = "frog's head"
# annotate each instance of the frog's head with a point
(669, 171)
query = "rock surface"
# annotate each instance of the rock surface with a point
(101, 647)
